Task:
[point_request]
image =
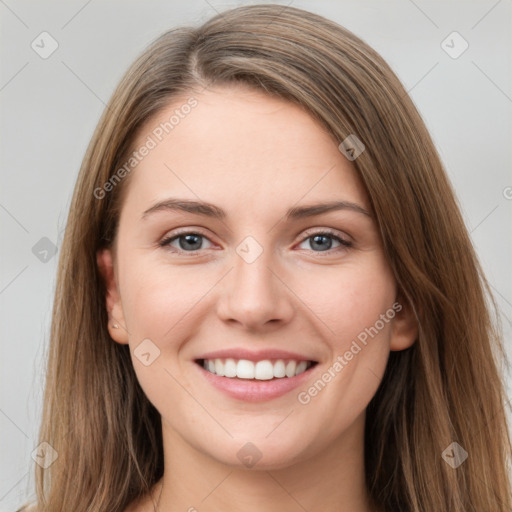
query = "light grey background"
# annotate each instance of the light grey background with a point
(51, 106)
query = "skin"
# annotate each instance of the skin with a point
(254, 156)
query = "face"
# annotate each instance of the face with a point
(256, 286)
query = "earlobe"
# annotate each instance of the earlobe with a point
(116, 324)
(404, 331)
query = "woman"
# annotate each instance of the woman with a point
(267, 298)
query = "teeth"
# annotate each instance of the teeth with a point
(279, 369)
(244, 369)
(301, 367)
(264, 370)
(290, 368)
(230, 368)
(261, 370)
(219, 367)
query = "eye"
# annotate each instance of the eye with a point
(189, 242)
(192, 242)
(322, 241)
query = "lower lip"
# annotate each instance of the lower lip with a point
(251, 390)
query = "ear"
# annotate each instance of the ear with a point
(404, 330)
(113, 298)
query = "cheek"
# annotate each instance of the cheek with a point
(351, 300)
(157, 299)
(160, 304)
(358, 308)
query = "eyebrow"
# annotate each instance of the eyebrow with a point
(211, 210)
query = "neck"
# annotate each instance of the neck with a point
(330, 481)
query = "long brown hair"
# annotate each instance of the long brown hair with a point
(446, 388)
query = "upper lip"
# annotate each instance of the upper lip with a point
(254, 355)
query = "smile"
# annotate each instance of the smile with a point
(265, 369)
(255, 381)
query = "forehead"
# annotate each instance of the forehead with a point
(238, 145)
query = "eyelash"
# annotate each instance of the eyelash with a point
(344, 244)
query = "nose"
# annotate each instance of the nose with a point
(254, 296)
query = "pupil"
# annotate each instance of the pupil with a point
(190, 241)
(323, 237)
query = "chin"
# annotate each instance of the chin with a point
(260, 454)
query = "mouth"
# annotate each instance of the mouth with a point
(256, 380)
(262, 370)
(255, 375)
